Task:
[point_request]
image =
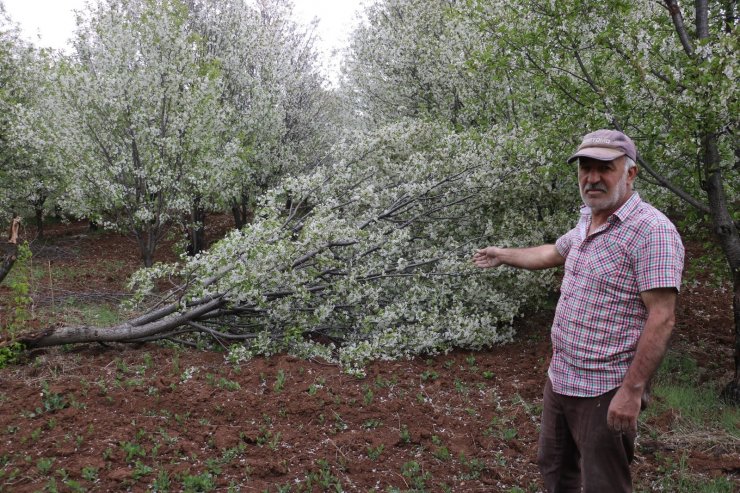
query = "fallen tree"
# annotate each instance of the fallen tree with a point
(371, 260)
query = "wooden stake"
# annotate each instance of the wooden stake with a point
(14, 226)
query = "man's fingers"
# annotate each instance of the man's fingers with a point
(486, 258)
(612, 421)
(621, 424)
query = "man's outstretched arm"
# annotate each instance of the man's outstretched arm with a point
(534, 258)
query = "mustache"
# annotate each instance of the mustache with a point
(596, 186)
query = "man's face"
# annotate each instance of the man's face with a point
(604, 185)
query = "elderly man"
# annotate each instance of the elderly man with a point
(623, 264)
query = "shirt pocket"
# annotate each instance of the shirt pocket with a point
(608, 261)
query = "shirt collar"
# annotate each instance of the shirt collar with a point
(628, 207)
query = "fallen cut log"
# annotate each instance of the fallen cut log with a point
(158, 324)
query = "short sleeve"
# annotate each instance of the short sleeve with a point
(564, 243)
(659, 259)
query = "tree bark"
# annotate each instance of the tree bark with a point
(729, 239)
(196, 229)
(147, 244)
(241, 211)
(38, 208)
(39, 222)
(680, 27)
(702, 18)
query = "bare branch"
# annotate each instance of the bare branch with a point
(677, 18)
(221, 335)
(125, 332)
(662, 181)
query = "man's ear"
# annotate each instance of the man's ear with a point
(632, 174)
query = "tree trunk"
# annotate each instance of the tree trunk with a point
(147, 244)
(147, 257)
(731, 392)
(196, 229)
(237, 212)
(11, 254)
(241, 211)
(38, 207)
(39, 222)
(729, 239)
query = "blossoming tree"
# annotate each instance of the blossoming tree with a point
(31, 176)
(664, 75)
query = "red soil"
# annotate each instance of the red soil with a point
(117, 418)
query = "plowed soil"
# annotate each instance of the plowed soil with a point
(165, 418)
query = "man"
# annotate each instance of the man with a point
(623, 265)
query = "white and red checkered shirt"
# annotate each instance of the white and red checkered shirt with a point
(600, 315)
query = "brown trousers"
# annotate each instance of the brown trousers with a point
(576, 448)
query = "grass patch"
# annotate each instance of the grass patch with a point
(40, 292)
(697, 407)
(676, 476)
(700, 408)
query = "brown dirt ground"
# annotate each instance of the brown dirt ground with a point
(118, 418)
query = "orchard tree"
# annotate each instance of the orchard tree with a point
(9, 86)
(144, 122)
(279, 111)
(664, 74)
(30, 177)
(39, 176)
(409, 58)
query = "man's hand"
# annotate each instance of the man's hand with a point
(623, 411)
(540, 257)
(487, 258)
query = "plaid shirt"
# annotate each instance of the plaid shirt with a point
(600, 315)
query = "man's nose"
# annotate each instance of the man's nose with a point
(593, 176)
